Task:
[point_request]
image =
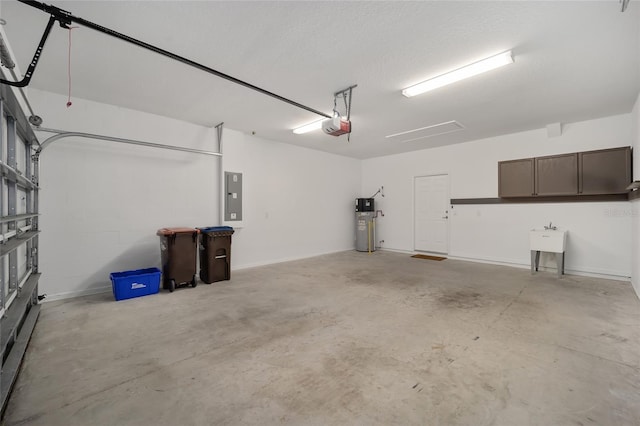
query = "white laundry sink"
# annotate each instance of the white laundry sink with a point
(549, 240)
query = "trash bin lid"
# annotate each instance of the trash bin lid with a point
(211, 229)
(177, 230)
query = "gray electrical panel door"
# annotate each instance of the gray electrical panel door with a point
(233, 198)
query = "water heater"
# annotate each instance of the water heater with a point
(365, 225)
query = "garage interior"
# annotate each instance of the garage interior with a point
(517, 185)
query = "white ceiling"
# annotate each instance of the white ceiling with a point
(574, 60)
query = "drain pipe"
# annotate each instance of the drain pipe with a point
(64, 134)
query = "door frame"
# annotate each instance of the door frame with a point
(413, 212)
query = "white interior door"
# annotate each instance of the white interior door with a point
(431, 215)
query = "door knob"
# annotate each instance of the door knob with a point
(445, 217)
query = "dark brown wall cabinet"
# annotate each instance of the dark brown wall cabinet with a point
(515, 178)
(607, 171)
(557, 175)
(603, 172)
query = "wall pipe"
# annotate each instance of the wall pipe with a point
(219, 130)
(64, 134)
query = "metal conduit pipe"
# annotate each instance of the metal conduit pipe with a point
(64, 134)
(219, 130)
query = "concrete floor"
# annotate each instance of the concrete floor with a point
(347, 338)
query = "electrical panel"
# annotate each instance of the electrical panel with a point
(233, 196)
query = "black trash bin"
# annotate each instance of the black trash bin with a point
(215, 253)
(178, 247)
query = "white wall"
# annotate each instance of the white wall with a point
(298, 202)
(102, 202)
(635, 205)
(599, 239)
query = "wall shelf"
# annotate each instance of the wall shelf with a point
(547, 200)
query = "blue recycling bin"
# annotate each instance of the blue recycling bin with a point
(129, 284)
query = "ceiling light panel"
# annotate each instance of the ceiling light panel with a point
(427, 132)
(476, 68)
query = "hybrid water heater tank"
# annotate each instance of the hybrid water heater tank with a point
(365, 225)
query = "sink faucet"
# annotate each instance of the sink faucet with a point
(553, 228)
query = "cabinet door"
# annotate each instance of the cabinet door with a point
(606, 171)
(557, 175)
(515, 178)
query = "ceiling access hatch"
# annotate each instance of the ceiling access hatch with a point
(427, 132)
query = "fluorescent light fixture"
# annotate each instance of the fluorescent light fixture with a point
(315, 125)
(459, 74)
(428, 131)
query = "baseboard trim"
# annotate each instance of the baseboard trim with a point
(503, 262)
(286, 259)
(568, 271)
(394, 250)
(107, 289)
(78, 293)
(609, 275)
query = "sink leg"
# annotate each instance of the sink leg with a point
(535, 260)
(560, 264)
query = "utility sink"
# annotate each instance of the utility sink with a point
(550, 240)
